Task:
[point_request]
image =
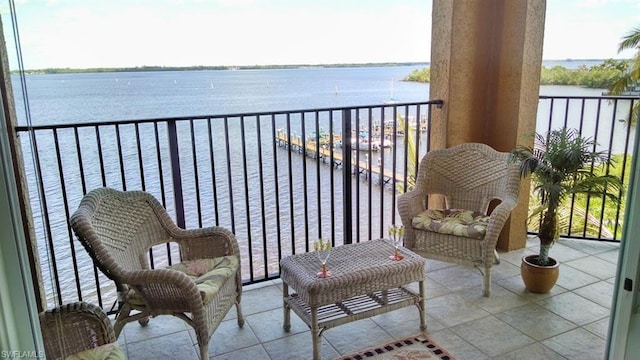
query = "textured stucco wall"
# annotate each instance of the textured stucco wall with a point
(486, 57)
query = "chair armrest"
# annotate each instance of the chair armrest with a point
(75, 327)
(206, 243)
(410, 204)
(162, 288)
(497, 219)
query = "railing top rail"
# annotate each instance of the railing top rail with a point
(222, 116)
(592, 97)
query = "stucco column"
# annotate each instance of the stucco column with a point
(486, 57)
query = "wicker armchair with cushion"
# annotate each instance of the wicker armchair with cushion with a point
(79, 331)
(117, 228)
(469, 176)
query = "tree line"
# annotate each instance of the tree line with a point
(205, 67)
(600, 76)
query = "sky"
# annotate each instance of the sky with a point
(123, 33)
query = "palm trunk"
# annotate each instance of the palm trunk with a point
(547, 234)
(543, 255)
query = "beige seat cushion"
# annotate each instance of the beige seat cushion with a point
(208, 274)
(110, 351)
(457, 222)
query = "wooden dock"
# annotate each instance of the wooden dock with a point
(326, 156)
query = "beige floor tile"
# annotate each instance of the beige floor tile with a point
(171, 346)
(358, 335)
(268, 298)
(256, 352)
(229, 337)
(504, 270)
(563, 253)
(535, 351)
(404, 322)
(571, 278)
(433, 265)
(589, 247)
(296, 347)
(600, 327)
(457, 277)
(432, 288)
(578, 344)
(515, 257)
(611, 256)
(601, 293)
(574, 308)
(457, 346)
(452, 310)
(268, 325)
(501, 299)
(536, 321)
(158, 326)
(594, 266)
(502, 338)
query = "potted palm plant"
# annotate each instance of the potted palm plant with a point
(558, 165)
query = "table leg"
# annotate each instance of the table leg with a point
(422, 307)
(287, 309)
(315, 333)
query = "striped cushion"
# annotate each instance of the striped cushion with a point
(457, 222)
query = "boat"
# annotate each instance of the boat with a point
(631, 91)
(383, 143)
(324, 137)
(392, 99)
(363, 142)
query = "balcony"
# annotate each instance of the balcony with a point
(249, 173)
(570, 322)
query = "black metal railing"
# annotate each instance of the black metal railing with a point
(272, 178)
(609, 120)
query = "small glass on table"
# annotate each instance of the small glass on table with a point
(396, 233)
(323, 249)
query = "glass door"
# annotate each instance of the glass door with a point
(624, 326)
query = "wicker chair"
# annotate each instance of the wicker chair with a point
(469, 176)
(78, 330)
(117, 228)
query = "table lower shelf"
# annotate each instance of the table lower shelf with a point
(355, 308)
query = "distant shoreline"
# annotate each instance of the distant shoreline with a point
(240, 67)
(203, 68)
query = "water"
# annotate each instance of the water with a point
(64, 98)
(89, 97)
(99, 97)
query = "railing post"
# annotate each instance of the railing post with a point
(346, 176)
(175, 172)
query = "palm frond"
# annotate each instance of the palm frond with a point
(631, 40)
(608, 186)
(410, 156)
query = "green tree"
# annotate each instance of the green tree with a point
(419, 75)
(630, 78)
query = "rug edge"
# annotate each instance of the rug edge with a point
(417, 337)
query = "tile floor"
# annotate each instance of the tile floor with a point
(571, 322)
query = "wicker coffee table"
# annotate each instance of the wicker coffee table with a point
(364, 282)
